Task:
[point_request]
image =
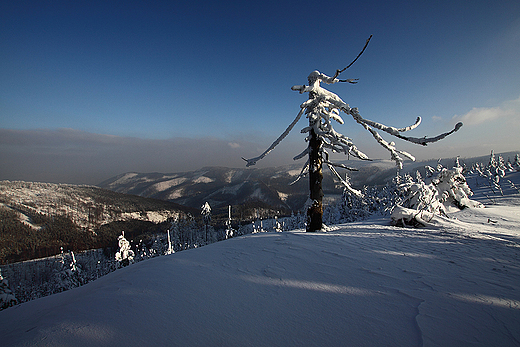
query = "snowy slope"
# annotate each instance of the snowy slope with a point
(456, 283)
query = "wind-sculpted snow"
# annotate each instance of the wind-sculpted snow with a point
(454, 283)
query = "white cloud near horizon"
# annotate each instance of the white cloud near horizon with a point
(479, 115)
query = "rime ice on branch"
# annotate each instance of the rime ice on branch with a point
(321, 109)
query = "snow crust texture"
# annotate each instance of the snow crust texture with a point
(454, 283)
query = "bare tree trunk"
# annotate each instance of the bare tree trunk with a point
(315, 211)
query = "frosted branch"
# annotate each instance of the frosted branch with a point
(347, 185)
(302, 154)
(425, 140)
(391, 130)
(253, 161)
(303, 172)
(340, 165)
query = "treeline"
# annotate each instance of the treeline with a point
(20, 241)
(48, 235)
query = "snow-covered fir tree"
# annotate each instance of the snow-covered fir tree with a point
(206, 216)
(230, 232)
(7, 298)
(125, 254)
(321, 109)
(278, 226)
(516, 163)
(170, 249)
(68, 273)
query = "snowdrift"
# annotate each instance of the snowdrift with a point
(362, 284)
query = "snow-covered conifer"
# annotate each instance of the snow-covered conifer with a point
(278, 227)
(170, 249)
(453, 189)
(206, 215)
(516, 163)
(447, 189)
(125, 255)
(321, 109)
(7, 298)
(501, 166)
(492, 160)
(229, 230)
(430, 171)
(68, 273)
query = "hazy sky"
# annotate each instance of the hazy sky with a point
(92, 89)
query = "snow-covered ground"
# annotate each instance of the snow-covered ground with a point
(453, 283)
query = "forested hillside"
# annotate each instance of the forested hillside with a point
(38, 219)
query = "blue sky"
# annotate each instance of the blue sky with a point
(92, 89)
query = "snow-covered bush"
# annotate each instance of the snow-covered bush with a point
(453, 189)
(444, 191)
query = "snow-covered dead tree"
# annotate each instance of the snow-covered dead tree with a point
(321, 109)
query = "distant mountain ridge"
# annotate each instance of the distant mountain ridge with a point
(221, 186)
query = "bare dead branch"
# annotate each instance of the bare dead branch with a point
(349, 65)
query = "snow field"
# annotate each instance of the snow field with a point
(452, 283)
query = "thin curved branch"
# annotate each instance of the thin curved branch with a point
(303, 172)
(345, 183)
(425, 140)
(302, 154)
(396, 131)
(391, 130)
(349, 65)
(340, 165)
(410, 127)
(253, 161)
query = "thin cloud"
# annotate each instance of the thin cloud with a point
(79, 157)
(479, 115)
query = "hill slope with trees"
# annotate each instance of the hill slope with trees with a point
(38, 219)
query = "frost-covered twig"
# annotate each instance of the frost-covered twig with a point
(253, 161)
(347, 185)
(303, 173)
(343, 166)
